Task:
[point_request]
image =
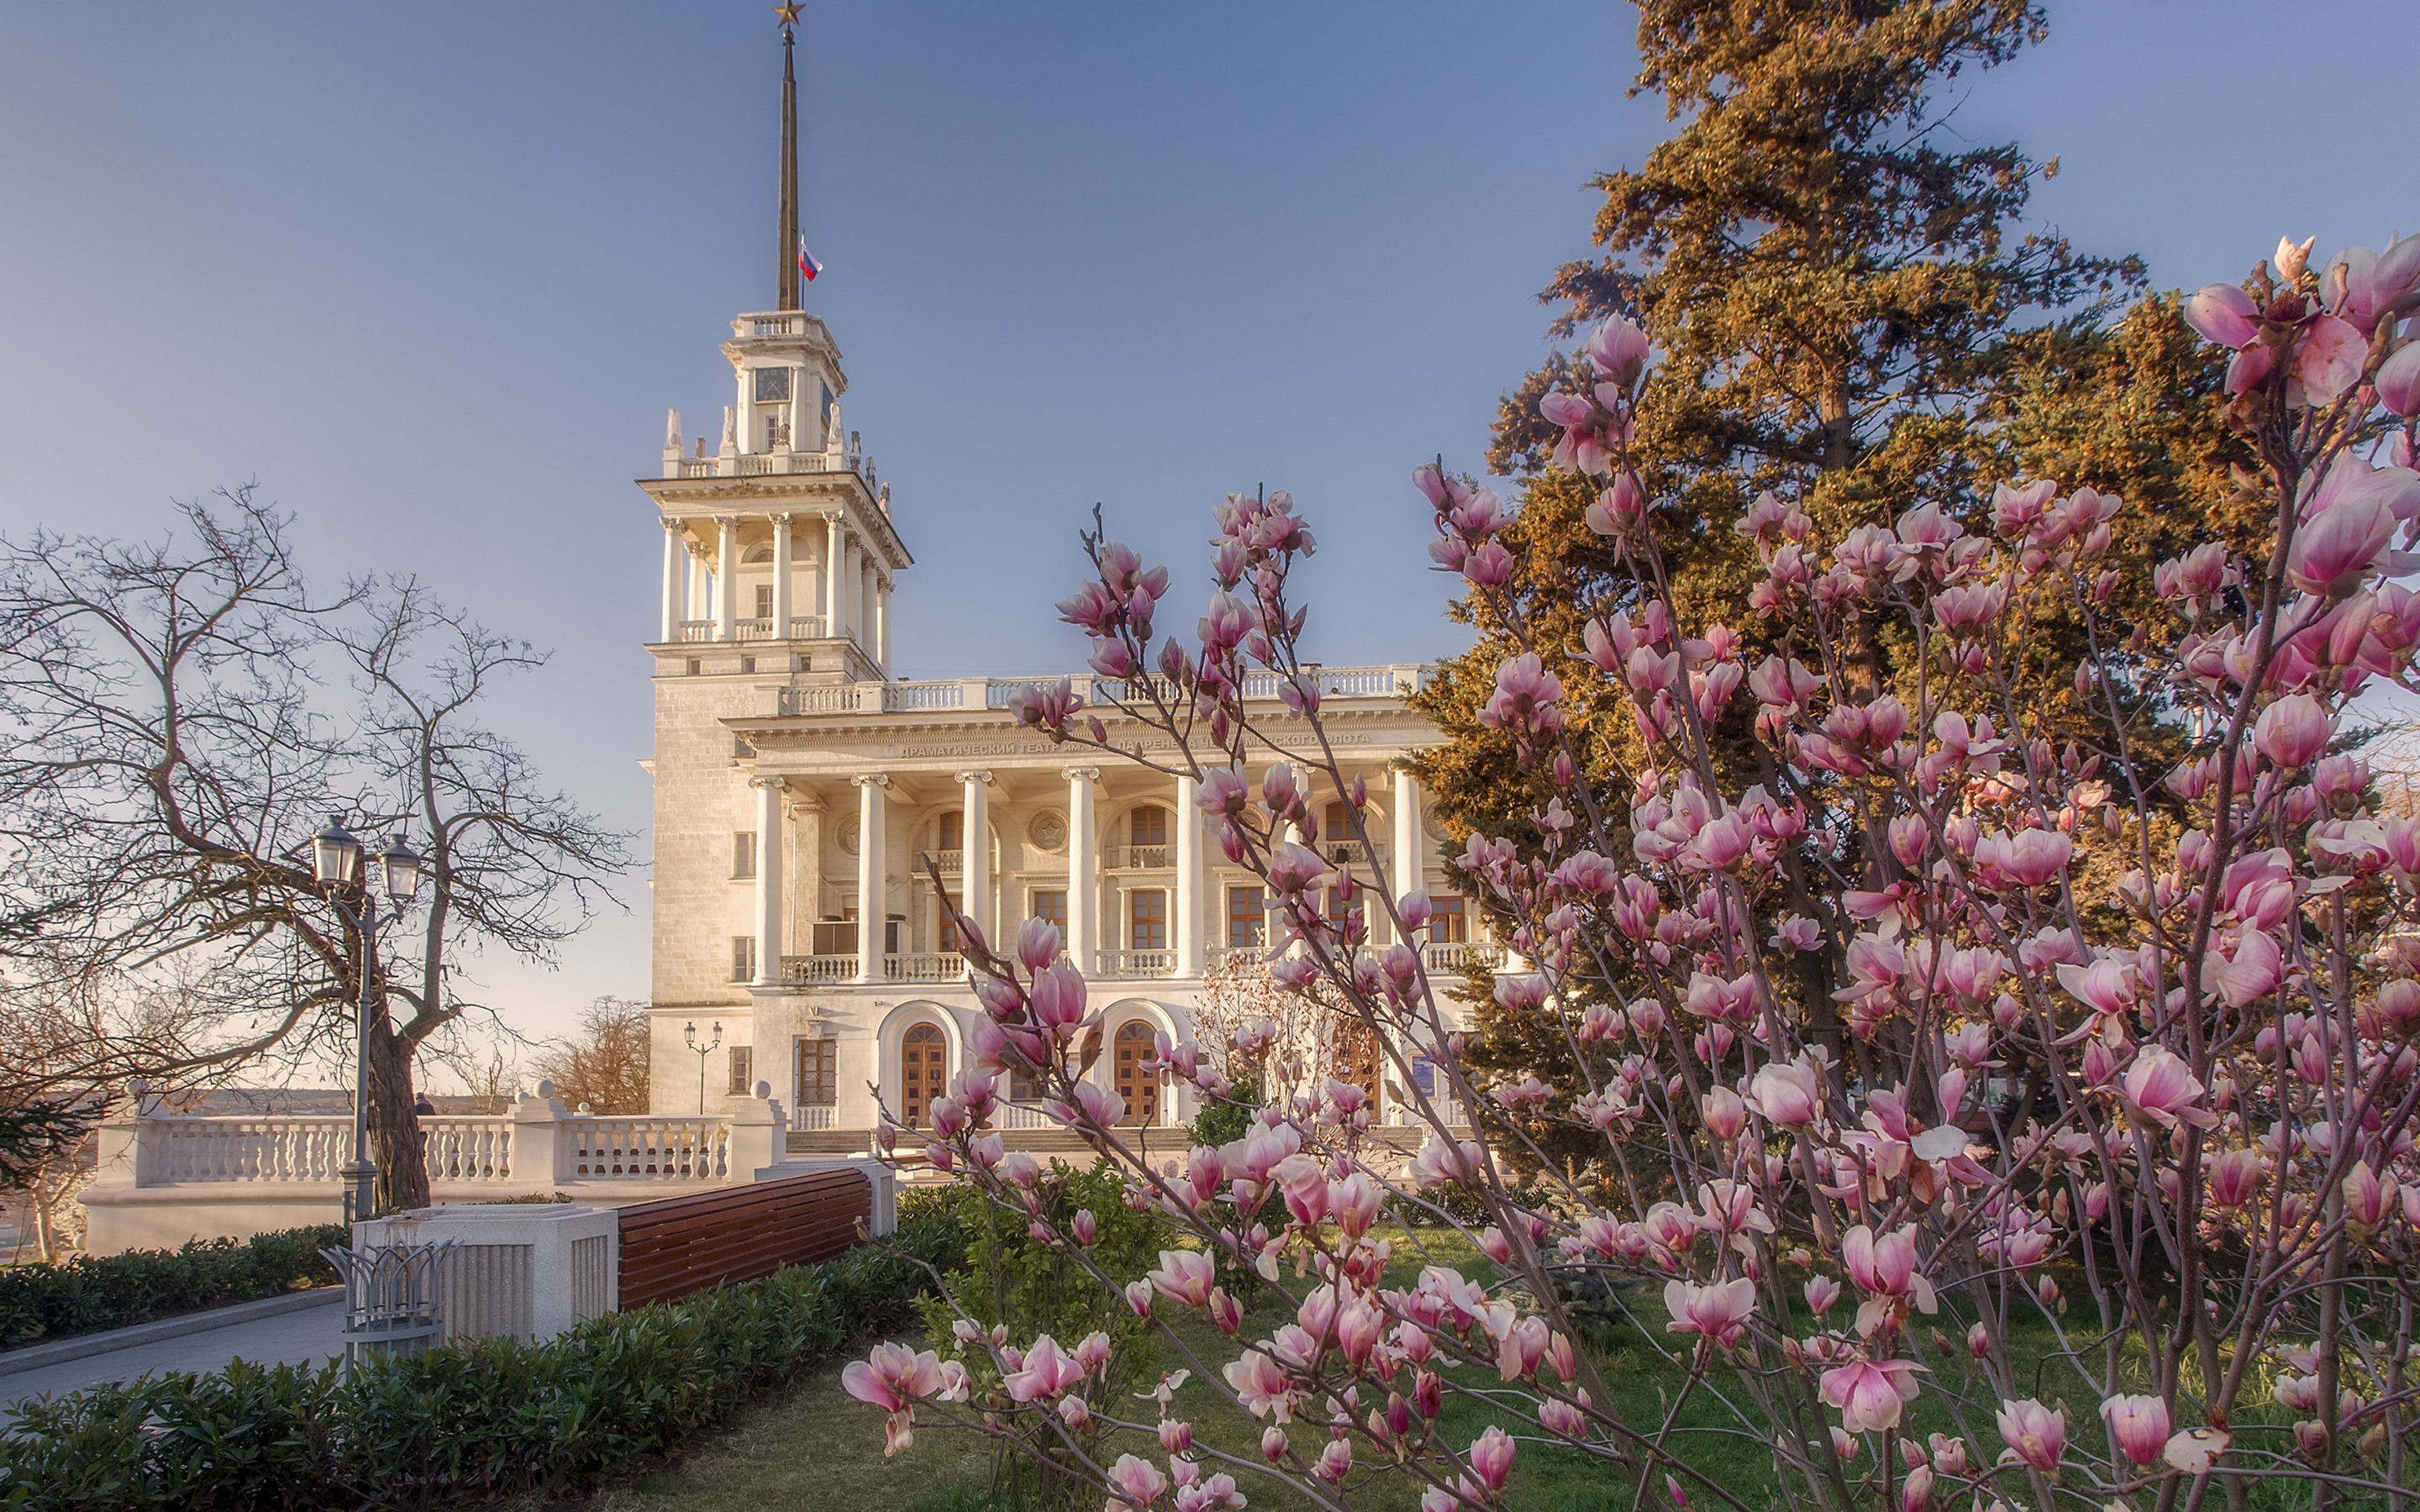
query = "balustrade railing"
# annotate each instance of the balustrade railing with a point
(840, 697)
(1449, 1109)
(1021, 1116)
(458, 1148)
(650, 1148)
(806, 626)
(813, 1117)
(818, 968)
(937, 695)
(940, 965)
(1460, 955)
(1142, 857)
(295, 1149)
(697, 629)
(948, 863)
(1137, 963)
(999, 692)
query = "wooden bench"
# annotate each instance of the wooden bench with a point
(686, 1244)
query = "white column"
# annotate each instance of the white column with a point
(769, 866)
(726, 572)
(782, 566)
(882, 624)
(746, 380)
(1411, 865)
(1188, 924)
(835, 558)
(674, 555)
(974, 865)
(1083, 860)
(873, 880)
(865, 602)
(701, 604)
(851, 580)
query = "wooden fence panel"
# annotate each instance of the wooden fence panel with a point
(686, 1244)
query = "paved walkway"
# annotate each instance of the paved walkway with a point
(307, 1334)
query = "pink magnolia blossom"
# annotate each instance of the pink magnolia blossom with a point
(1046, 1372)
(1260, 1384)
(1491, 1458)
(2330, 359)
(1134, 1483)
(2161, 1087)
(1821, 1292)
(2224, 315)
(2035, 1434)
(2138, 1427)
(1718, 1313)
(1870, 1393)
(1788, 1093)
(1618, 349)
(1186, 1276)
(2235, 1178)
(2398, 380)
(893, 1378)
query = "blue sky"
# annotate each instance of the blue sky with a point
(431, 275)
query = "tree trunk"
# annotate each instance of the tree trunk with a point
(395, 1131)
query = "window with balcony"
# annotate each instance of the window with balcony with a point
(743, 1074)
(1448, 922)
(949, 831)
(1248, 918)
(836, 937)
(743, 958)
(743, 854)
(1049, 905)
(1147, 920)
(1336, 841)
(765, 602)
(819, 1072)
(1147, 837)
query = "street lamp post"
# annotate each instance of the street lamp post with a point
(338, 860)
(688, 1037)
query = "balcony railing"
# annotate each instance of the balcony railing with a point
(1217, 956)
(842, 699)
(1128, 964)
(1460, 955)
(1447, 1108)
(948, 863)
(810, 969)
(937, 966)
(811, 1118)
(1021, 1116)
(1142, 857)
(998, 692)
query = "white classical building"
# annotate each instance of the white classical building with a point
(803, 797)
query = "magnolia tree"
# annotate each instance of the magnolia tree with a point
(2110, 1187)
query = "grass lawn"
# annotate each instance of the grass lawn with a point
(818, 1449)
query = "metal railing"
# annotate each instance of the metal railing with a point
(1137, 963)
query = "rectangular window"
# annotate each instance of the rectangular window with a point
(1150, 826)
(953, 831)
(772, 385)
(890, 931)
(743, 854)
(1449, 923)
(1147, 920)
(743, 958)
(747, 663)
(740, 750)
(819, 1072)
(765, 602)
(1248, 918)
(695, 666)
(1051, 904)
(948, 929)
(836, 937)
(1339, 910)
(777, 431)
(743, 1075)
(1336, 841)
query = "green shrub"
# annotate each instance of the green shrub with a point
(463, 1425)
(90, 1293)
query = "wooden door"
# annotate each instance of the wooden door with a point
(1140, 1089)
(1355, 1051)
(923, 1071)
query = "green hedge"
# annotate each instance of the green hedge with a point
(40, 1303)
(468, 1424)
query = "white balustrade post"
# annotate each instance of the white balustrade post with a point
(726, 576)
(1083, 861)
(538, 1156)
(872, 880)
(769, 865)
(758, 1136)
(835, 574)
(974, 864)
(782, 568)
(674, 555)
(1188, 880)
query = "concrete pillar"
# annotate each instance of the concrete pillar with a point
(882, 624)
(974, 867)
(782, 568)
(873, 880)
(769, 876)
(674, 554)
(1186, 927)
(835, 573)
(701, 605)
(1083, 863)
(726, 574)
(852, 580)
(866, 602)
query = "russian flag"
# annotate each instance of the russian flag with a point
(808, 267)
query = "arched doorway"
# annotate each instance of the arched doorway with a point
(924, 1071)
(1141, 1089)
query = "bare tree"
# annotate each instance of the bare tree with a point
(175, 734)
(605, 1064)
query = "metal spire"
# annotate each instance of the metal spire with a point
(787, 297)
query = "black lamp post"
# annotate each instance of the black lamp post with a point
(688, 1037)
(338, 860)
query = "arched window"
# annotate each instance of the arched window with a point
(1140, 1088)
(1149, 826)
(924, 1070)
(950, 832)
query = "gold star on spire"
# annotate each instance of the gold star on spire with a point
(788, 13)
